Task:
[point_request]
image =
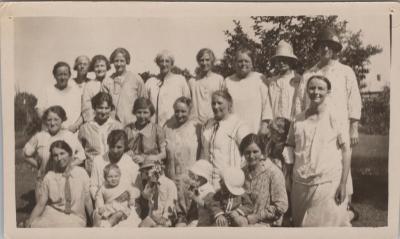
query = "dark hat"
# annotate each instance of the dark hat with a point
(329, 36)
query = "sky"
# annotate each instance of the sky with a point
(42, 41)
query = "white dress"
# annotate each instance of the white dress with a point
(250, 99)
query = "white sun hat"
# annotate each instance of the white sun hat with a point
(202, 168)
(234, 180)
(284, 49)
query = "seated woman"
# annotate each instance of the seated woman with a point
(36, 150)
(117, 143)
(264, 183)
(321, 150)
(65, 195)
(93, 134)
(114, 198)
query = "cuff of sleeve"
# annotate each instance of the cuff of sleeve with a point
(218, 214)
(288, 155)
(241, 213)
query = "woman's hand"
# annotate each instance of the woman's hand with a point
(221, 221)
(340, 194)
(138, 159)
(353, 133)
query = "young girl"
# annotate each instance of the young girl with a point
(274, 149)
(115, 202)
(230, 204)
(124, 86)
(93, 134)
(145, 139)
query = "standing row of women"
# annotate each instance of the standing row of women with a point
(188, 140)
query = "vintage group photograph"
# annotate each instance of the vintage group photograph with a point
(246, 121)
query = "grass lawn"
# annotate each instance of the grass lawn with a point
(369, 168)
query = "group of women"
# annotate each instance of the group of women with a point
(156, 154)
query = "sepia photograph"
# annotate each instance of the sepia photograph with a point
(139, 116)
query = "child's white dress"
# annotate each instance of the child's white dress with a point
(117, 199)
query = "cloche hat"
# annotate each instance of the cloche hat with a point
(234, 180)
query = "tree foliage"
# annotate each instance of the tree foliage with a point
(26, 118)
(301, 32)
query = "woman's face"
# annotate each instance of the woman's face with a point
(165, 64)
(82, 66)
(253, 155)
(244, 65)
(143, 116)
(61, 158)
(53, 123)
(205, 62)
(181, 112)
(282, 65)
(119, 63)
(113, 178)
(62, 76)
(116, 151)
(317, 90)
(102, 112)
(100, 69)
(325, 52)
(220, 107)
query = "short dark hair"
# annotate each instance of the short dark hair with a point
(124, 52)
(57, 109)
(185, 100)
(61, 144)
(101, 97)
(61, 64)
(249, 139)
(115, 136)
(97, 58)
(143, 103)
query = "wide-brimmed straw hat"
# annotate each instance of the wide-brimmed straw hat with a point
(284, 50)
(234, 180)
(202, 168)
(147, 163)
(329, 36)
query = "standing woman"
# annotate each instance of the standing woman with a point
(64, 93)
(265, 184)
(182, 137)
(164, 89)
(205, 83)
(249, 93)
(93, 134)
(100, 66)
(124, 86)
(65, 199)
(221, 136)
(321, 161)
(36, 150)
